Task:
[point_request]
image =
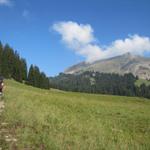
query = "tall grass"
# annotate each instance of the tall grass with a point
(58, 120)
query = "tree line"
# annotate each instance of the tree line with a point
(13, 66)
(103, 83)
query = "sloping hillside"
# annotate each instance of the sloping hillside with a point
(127, 63)
(42, 119)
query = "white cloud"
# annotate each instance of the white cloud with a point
(91, 52)
(74, 34)
(81, 39)
(5, 2)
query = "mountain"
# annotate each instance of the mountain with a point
(126, 63)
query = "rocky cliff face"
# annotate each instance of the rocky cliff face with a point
(127, 63)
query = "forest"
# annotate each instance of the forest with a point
(103, 83)
(12, 66)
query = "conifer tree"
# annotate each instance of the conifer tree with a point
(30, 79)
(24, 69)
(13, 66)
(7, 61)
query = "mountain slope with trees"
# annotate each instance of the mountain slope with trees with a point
(103, 83)
(14, 66)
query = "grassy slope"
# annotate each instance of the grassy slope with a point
(61, 120)
(141, 81)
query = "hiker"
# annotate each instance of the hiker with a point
(1, 85)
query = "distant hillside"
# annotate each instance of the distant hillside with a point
(126, 63)
(102, 83)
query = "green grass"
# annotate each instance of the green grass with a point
(141, 81)
(58, 120)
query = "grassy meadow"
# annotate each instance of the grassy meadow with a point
(142, 81)
(57, 120)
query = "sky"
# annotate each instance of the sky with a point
(55, 34)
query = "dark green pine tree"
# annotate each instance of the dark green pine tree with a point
(24, 69)
(44, 81)
(7, 61)
(13, 66)
(144, 91)
(36, 76)
(30, 79)
(17, 68)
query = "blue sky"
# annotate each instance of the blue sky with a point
(38, 30)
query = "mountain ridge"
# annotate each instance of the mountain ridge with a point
(126, 63)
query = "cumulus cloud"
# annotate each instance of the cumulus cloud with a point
(80, 38)
(74, 34)
(5, 2)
